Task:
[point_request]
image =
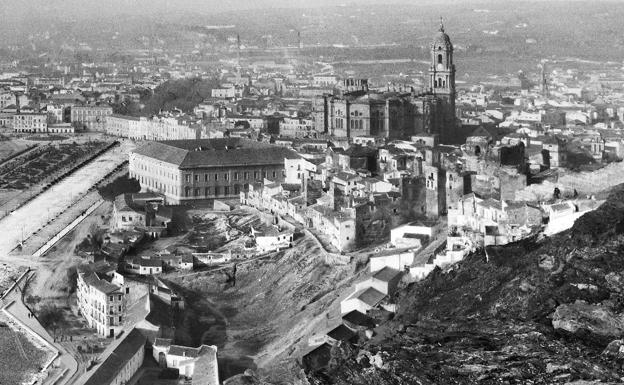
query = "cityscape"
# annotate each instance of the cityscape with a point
(271, 192)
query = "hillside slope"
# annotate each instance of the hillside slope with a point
(550, 312)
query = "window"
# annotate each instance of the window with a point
(187, 177)
(207, 191)
(235, 176)
(263, 174)
(226, 190)
(225, 176)
(440, 59)
(216, 176)
(123, 219)
(197, 192)
(246, 175)
(127, 290)
(216, 191)
(255, 174)
(119, 298)
(110, 297)
(205, 177)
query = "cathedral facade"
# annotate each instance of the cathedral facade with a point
(356, 111)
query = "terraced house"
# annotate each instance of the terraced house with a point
(186, 170)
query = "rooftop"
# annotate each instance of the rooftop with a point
(386, 274)
(370, 296)
(216, 152)
(115, 362)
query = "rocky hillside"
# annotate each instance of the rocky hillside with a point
(547, 312)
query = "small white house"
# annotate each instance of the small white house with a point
(397, 261)
(272, 239)
(199, 364)
(144, 266)
(409, 235)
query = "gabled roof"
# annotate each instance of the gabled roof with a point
(386, 274)
(99, 284)
(162, 342)
(216, 152)
(341, 333)
(106, 373)
(358, 318)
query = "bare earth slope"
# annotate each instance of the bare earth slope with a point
(550, 312)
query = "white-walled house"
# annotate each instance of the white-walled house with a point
(199, 364)
(144, 266)
(272, 239)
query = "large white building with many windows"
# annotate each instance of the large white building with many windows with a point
(185, 170)
(101, 303)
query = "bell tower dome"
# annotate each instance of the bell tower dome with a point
(442, 69)
(442, 84)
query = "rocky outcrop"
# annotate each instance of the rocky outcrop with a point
(594, 319)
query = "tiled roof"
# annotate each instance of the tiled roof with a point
(216, 152)
(370, 296)
(386, 274)
(358, 318)
(101, 285)
(148, 262)
(164, 342)
(341, 333)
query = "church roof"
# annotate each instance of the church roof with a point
(441, 39)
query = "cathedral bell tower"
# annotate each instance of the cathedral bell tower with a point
(442, 80)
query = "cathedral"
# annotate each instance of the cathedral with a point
(358, 111)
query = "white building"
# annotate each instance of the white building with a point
(199, 364)
(144, 266)
(298, 169)
(30, 122)
(272, 239)
(101, 303)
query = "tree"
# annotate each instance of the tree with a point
(121, 185)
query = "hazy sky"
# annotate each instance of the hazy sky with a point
(10, 11)
(103, 7)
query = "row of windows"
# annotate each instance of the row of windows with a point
(226, 176)
(210, 191)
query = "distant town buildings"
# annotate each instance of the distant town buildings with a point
(90, 118)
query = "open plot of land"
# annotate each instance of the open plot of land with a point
(20, 359)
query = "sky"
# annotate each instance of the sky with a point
(103, 7)
(10, 11)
